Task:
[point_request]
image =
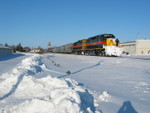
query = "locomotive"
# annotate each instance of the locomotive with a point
(92, 46)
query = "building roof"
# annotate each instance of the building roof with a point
(4, 47)
(128, 42)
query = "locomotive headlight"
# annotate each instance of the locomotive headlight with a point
(114, 41)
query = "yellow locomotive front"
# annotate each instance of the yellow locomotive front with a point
(110, 42)
(111, 47)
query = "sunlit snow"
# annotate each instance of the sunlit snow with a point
(34, 83)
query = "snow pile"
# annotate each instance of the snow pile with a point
(113, 51)
(23, 93)
(10, 81)
(51, 95)
(105, 97)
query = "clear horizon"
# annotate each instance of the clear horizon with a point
(34, 23)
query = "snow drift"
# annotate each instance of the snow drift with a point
(22, 92)
(113, 50)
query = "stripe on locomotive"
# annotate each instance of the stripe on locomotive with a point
(96, 43)
(91, 44)
(77, 46)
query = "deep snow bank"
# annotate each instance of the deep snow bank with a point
(113, 50)
(52, 95)
(22, 93)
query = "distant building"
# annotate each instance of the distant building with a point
(138, 47)
(37, 50)
(128, 47)
(5, 51)
(27, 49)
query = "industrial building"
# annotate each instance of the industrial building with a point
(5, 51)
(138, 47)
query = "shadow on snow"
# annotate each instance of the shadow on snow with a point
(81, 70)
(11, 56)
(13, 88)
(127, 108)
(19, 79)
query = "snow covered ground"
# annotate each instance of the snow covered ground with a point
(63, 83)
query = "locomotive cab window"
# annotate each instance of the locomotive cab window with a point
(106, 36)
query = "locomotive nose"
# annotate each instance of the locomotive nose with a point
(110, 42)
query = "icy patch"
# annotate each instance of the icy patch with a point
(105, 97)
(113, 51)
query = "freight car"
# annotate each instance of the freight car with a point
(63, 49)
(92, 46)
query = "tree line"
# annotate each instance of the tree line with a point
(18, 47)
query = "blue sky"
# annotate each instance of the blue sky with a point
(34, 23)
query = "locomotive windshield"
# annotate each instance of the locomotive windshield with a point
(108, 36)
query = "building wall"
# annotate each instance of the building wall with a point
(137, 47)
(128, 47)
(142, 47)
(5, 51)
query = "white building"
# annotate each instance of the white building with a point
(37, 50)
(137, 47)
(5, 51)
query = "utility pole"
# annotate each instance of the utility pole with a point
(49, 45)
(137, 35)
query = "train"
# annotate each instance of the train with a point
(94, 45)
